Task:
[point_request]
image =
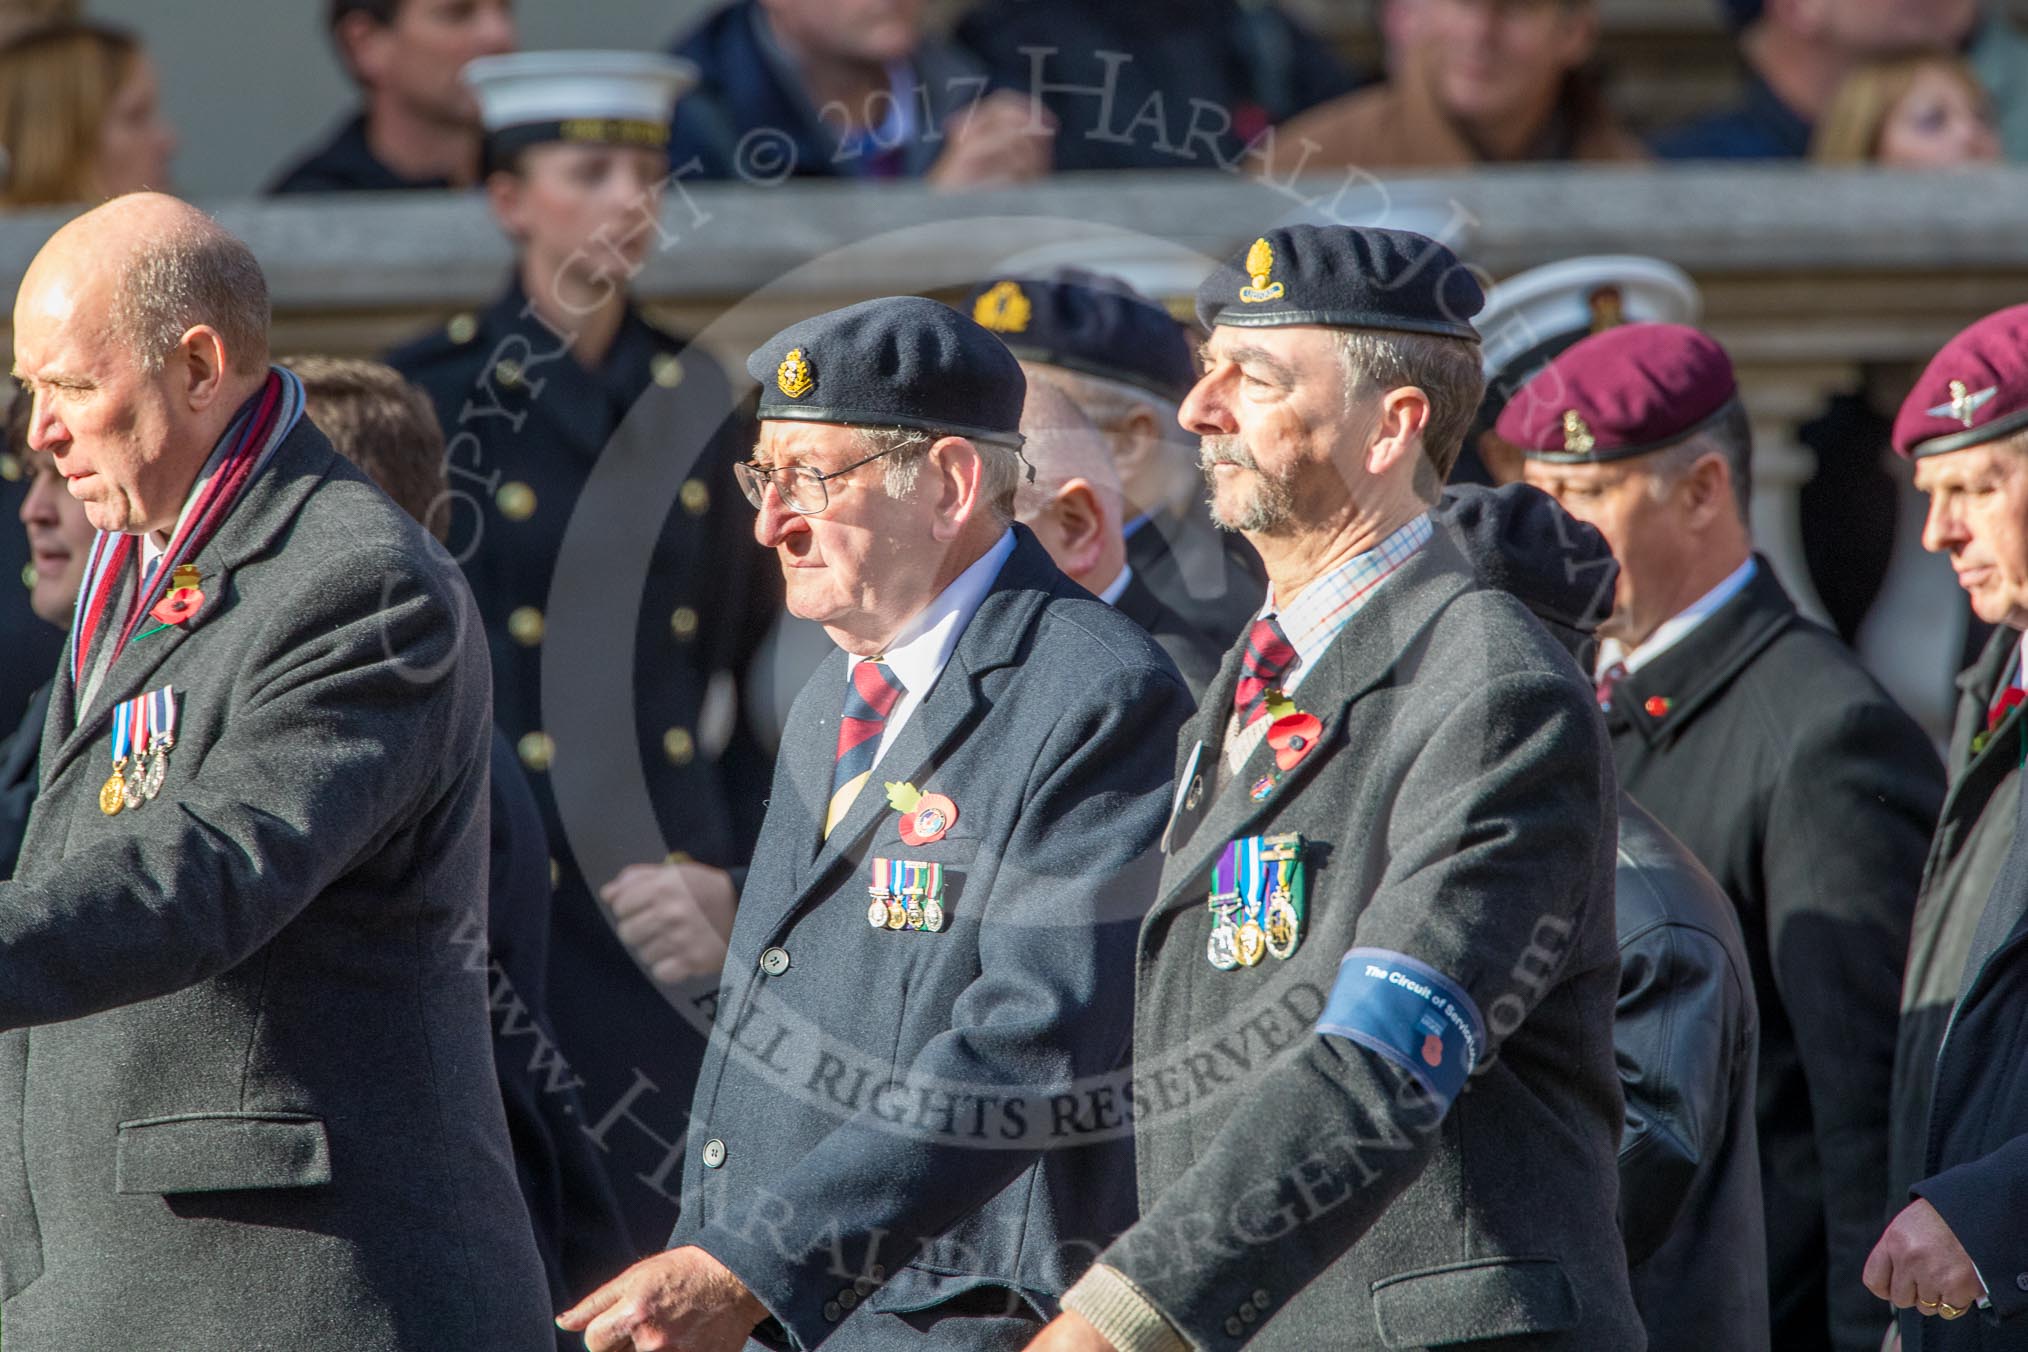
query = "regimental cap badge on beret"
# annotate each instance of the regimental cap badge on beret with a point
(1260, 265)
(1974, 390)
(793, 376)
(1577, 437)
(1004, 308)
(1963, 403)
(1608, 308)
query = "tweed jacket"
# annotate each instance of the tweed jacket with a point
(246, 1082)
(888, 1121)
(1301, 1190)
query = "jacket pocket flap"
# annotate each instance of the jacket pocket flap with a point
(916, 1288)
(221, 1152)
(1465, 1302)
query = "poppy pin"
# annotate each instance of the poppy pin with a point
(925, 817)
(1293, 734)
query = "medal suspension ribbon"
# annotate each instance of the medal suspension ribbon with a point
(247, 444)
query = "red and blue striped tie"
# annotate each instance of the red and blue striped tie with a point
(1269, 655)
(870, 697)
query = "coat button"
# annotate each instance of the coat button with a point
(683, 623)
(1260, 1299)
(525, 625)
(679, 746)
(863, 1285)
(877, 1272)
(1247, 1313)
(1196, 794)
(1233, 1327)
(848, 1298)
(2022, 1281)
(667, 370)
(516, 501)
(696, 498)
(714, 1153)
(775, 961)
(537, 751)
(832, 1312)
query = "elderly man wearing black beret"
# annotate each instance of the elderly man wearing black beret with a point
(1375, 1098)
(1761, 743)
(932, 955)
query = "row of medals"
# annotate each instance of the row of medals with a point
(1243, 944)
(910, 910)
(129, 786)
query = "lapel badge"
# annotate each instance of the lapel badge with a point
(793, 376)
(1577, 437)
(1291, 733)
(1658, 705)
(1260, 265)
(184, 599)
(1264, 786)
(1004, 309)
(925, 817)
(1963, 402)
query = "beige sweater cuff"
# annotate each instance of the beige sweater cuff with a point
(1126, 1318)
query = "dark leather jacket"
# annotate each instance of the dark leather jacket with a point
(1686, 1030)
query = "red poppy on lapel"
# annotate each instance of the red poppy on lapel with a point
(1293, 736)
(2009, 697)
(178, 606)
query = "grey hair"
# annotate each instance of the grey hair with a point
(905, 448)
(1729, 436)
(191, 275)
(1446, 370)
(1109, 403)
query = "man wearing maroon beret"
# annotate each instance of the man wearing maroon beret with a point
(1960, 1131)
(1758, 739)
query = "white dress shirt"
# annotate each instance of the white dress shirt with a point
(1678, 626)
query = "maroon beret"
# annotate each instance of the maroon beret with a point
(1624, 392)
(1974, 390)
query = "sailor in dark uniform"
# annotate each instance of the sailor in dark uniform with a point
(1127, 363)
(593, 507)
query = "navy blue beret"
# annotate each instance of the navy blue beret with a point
(901, 361)
(1740, 13)
(1089, 323)
(1343, 277)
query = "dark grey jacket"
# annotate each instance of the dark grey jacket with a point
(1763, 745)
(1686, 1031)
(1965, 856)
(1301, 1191)
(247, 1095)
(889, 1121)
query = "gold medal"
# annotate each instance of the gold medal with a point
(113, 793)
(1283, 930)
(1252, 944)
(915, 913)
(897, 915)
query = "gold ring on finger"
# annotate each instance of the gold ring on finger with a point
(1926, 1306)
(1948, 1310)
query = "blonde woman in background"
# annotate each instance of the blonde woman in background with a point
(80, 119)
(18, 16)
(1921, 110)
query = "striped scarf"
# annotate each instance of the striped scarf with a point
(247, 446)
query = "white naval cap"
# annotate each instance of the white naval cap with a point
(602, 98)
(1534, 315)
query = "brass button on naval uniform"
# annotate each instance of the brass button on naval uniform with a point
(714, 1153)
(463, 328)
(666, 369)
(696, 497)
(775, 961)
(525, 624)
(679, 746)
(537, 750)
(683, 624)
(516, 500)
(10, 467)
(28, 575)
(508, 373)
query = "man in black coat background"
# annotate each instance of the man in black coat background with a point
(1760, 742)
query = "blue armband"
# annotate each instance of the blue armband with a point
(1410, 1013)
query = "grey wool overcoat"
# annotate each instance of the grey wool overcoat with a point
(1301, 1187)
(246, 1087)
